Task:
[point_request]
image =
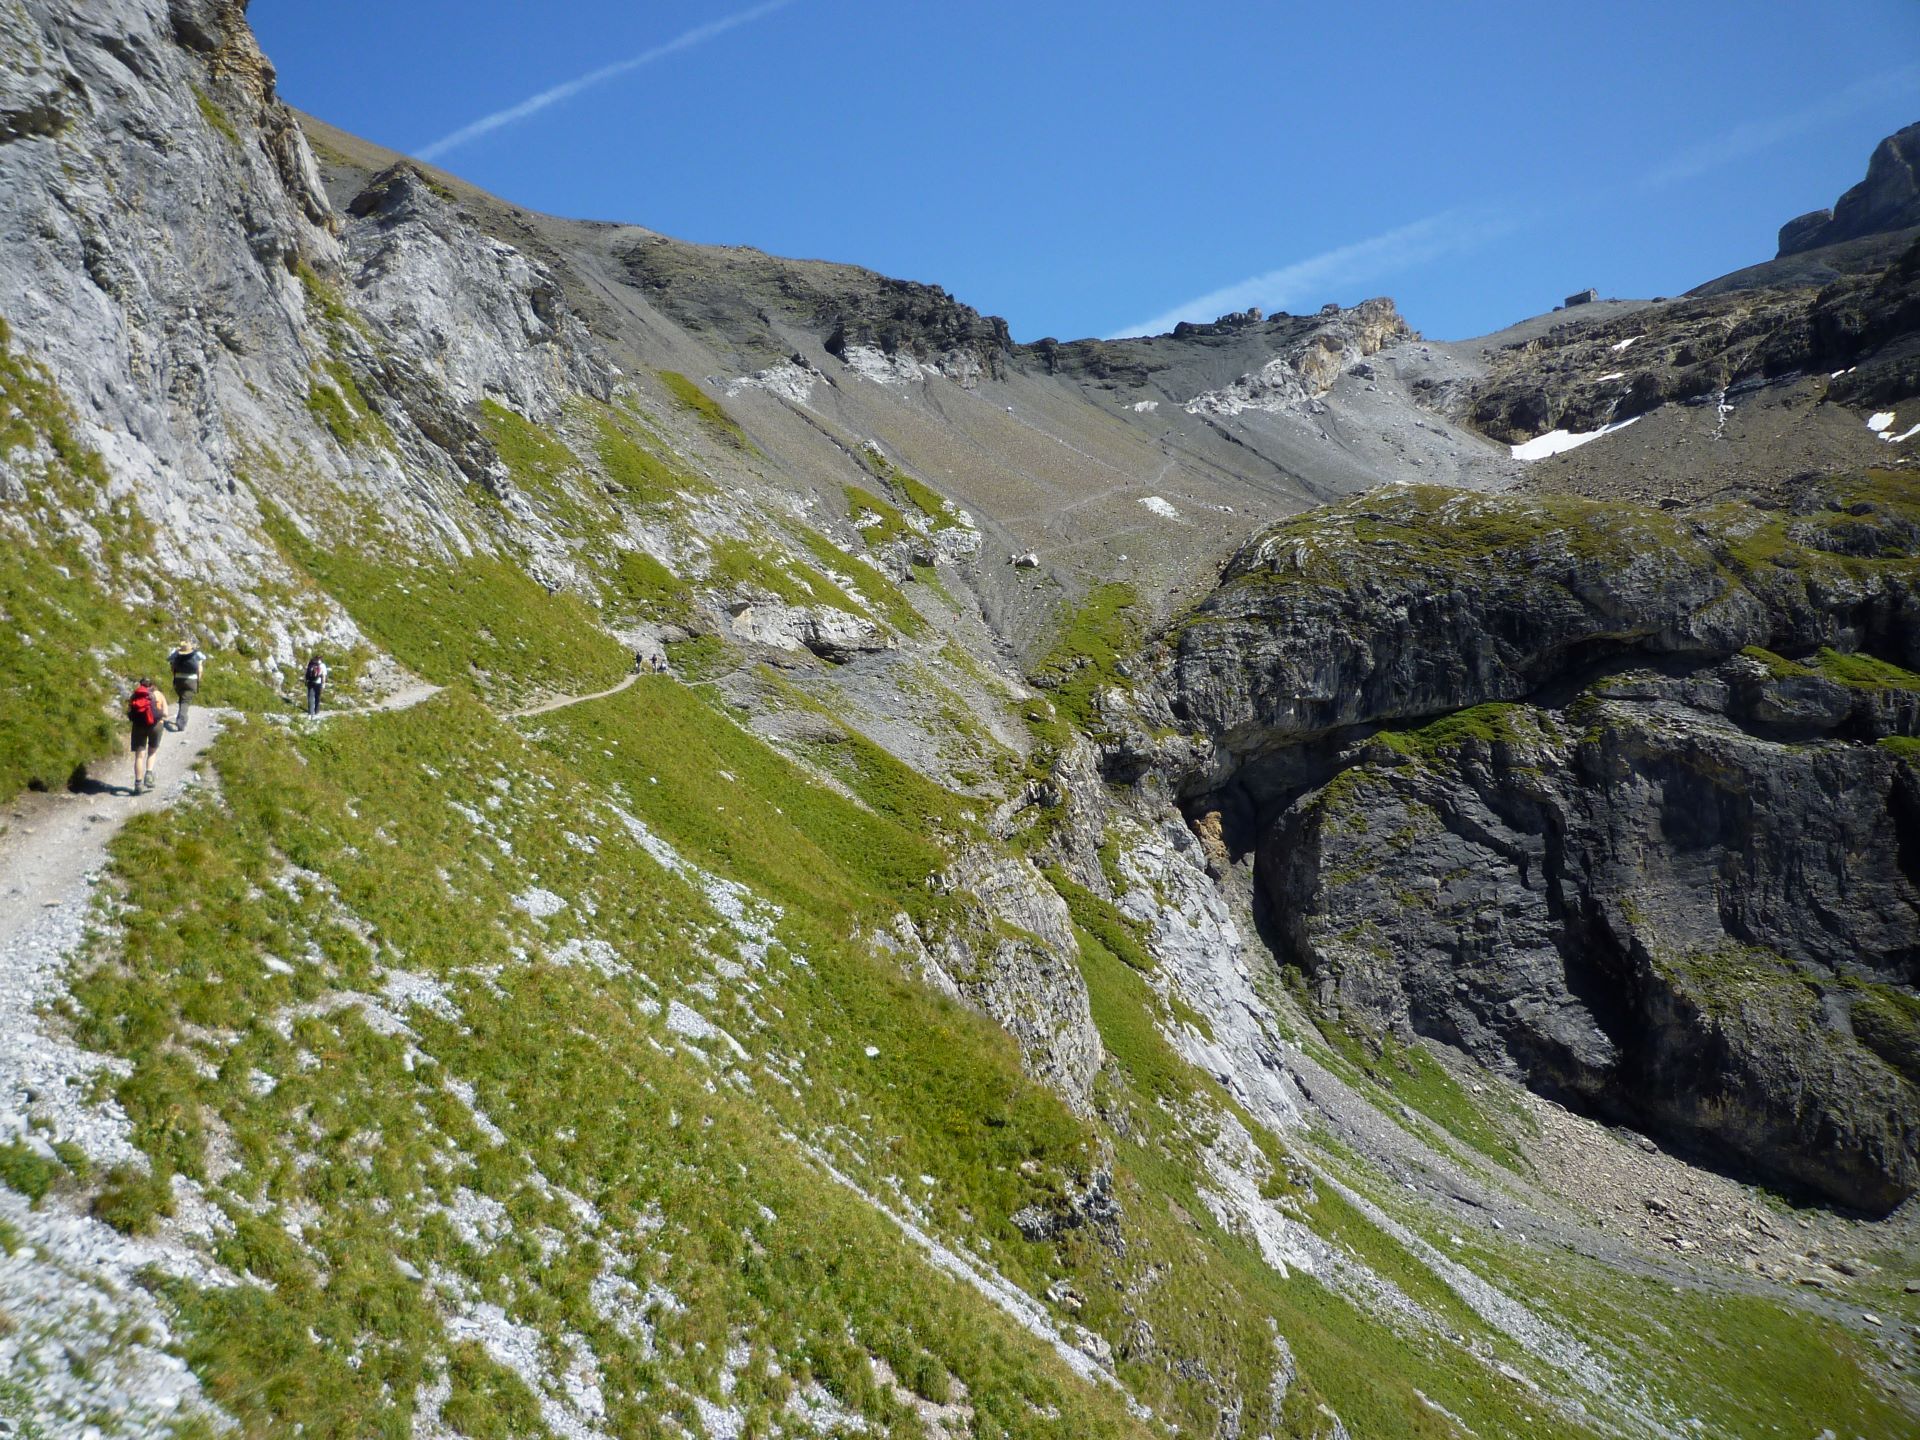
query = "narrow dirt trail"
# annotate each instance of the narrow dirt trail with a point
(52, 845)
(76, 1282)
(562, 702)
(53, 842)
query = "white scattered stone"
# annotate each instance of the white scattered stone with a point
(787, 380)
(540, 903)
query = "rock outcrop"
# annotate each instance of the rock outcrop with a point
(1860, 331)
(1019, 968)
(1301, 373)
(1888, 199)
(1629, 863)
(479, 316)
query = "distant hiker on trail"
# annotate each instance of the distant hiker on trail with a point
(146, 713)
(316, 677)
(186, 662)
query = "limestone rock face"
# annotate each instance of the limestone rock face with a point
(1859, 331)
(1022, 972)
(1888, 199)
(156, 279)
(170, 259)
(834, 635)
(478, 315)
(1672, 882)
(1303, 372)
(1417, 601)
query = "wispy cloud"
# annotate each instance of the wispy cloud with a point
(534, 104)
(1754, 136)
(1308, 280)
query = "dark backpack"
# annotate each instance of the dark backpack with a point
(316, 672)
(140, 707)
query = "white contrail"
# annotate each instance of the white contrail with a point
(533, 105)
(1309, 279)
(1757, 135)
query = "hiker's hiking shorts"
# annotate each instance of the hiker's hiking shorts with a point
(146, 737)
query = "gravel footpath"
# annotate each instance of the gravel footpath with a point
(84, 1341)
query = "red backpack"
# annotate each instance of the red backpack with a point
(140, 708)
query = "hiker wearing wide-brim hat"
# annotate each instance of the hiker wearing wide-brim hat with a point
(186, 662)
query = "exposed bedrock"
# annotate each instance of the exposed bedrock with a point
(1616, 801)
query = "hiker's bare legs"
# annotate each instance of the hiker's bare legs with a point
(146, 745)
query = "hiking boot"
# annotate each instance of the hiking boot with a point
(151, 782)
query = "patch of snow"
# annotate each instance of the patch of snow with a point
(1144, 407)
(1558, 442)
(1160, 507)
(1838, 373)
(1619, 346)
(1612, 375)
(1906, 434)
(1880, 421)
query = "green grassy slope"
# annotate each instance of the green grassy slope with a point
(573, 1044)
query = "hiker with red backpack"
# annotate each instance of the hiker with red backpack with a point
(316, 678)
(146, 713)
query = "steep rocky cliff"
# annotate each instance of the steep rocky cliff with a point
(1539, 780)
(1887, 200)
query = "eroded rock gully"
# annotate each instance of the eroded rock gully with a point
(1541, 783)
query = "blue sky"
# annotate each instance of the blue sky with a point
(1091, 168)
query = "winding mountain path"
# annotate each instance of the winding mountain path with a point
(562, 702)
(75, 1282)
(53, 845)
